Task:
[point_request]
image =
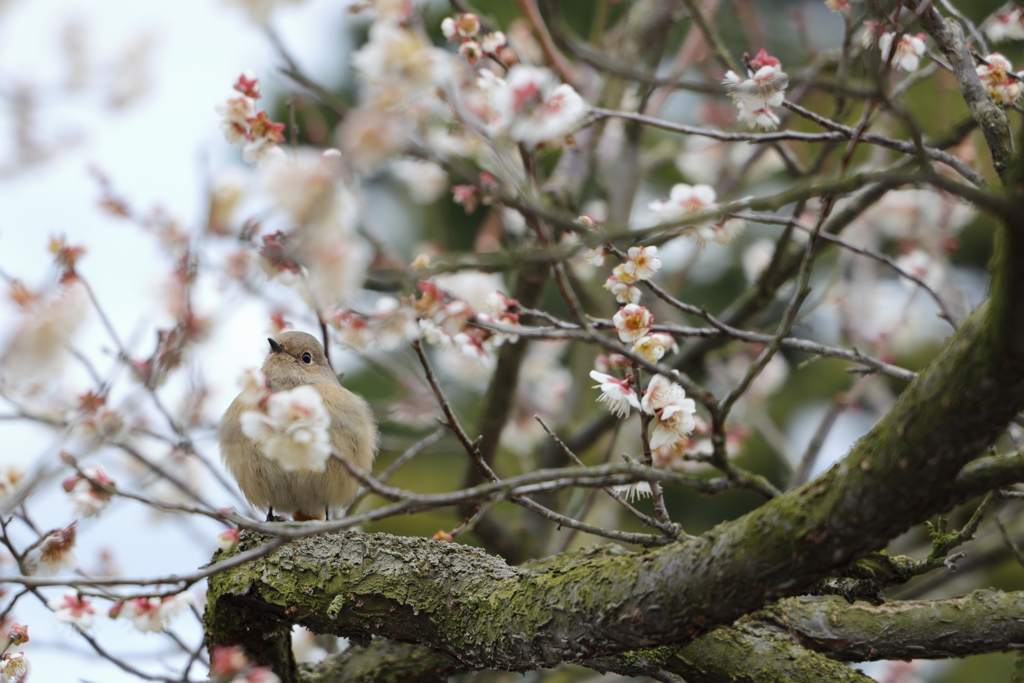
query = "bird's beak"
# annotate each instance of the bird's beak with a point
(275, 347)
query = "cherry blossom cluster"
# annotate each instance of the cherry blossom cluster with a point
(230, 665)
(148, 615)
(640, 264)
(684, 200)
(999, 79)
(665, 400)
(472, 46)
(445, 322)
(250, 130)
(391, 324)
(1005, 24)
(759, 93)
(290, 426)
(633, 324)
(908, 49)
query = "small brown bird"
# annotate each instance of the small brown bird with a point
(297, 359)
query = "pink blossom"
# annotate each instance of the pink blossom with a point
(253, 384)
(425, 180)
(631, 492)
(393, 323)
(248, 85)
(353, 328)
(18, 634)
(763, 118)
(153, 615)
(228, 540)
(10, 475)
(72, 608)
(226, 661)
(235, 113)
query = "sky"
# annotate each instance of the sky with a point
(158, 150)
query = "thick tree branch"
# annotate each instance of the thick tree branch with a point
(577, 607)
(991, 119)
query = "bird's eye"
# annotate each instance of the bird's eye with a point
(306, 358)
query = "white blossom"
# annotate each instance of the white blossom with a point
(722, 232)
(642, 262)
(660, 392)
(675, 421)
(534, 108)
(908, 50)
(625, 292)
(630, 492)
(13, 666)
(1006, 24)
(675, 413)
(293, 432)
(616, 393)
(632, 322)
(153, 615)
(1001, 84)
(653, 346)
(684, 199)
(253, 384)
(54, 552)
(756, 95)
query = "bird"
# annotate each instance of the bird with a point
(297, 359)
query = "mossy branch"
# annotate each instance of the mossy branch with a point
(580, 606)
